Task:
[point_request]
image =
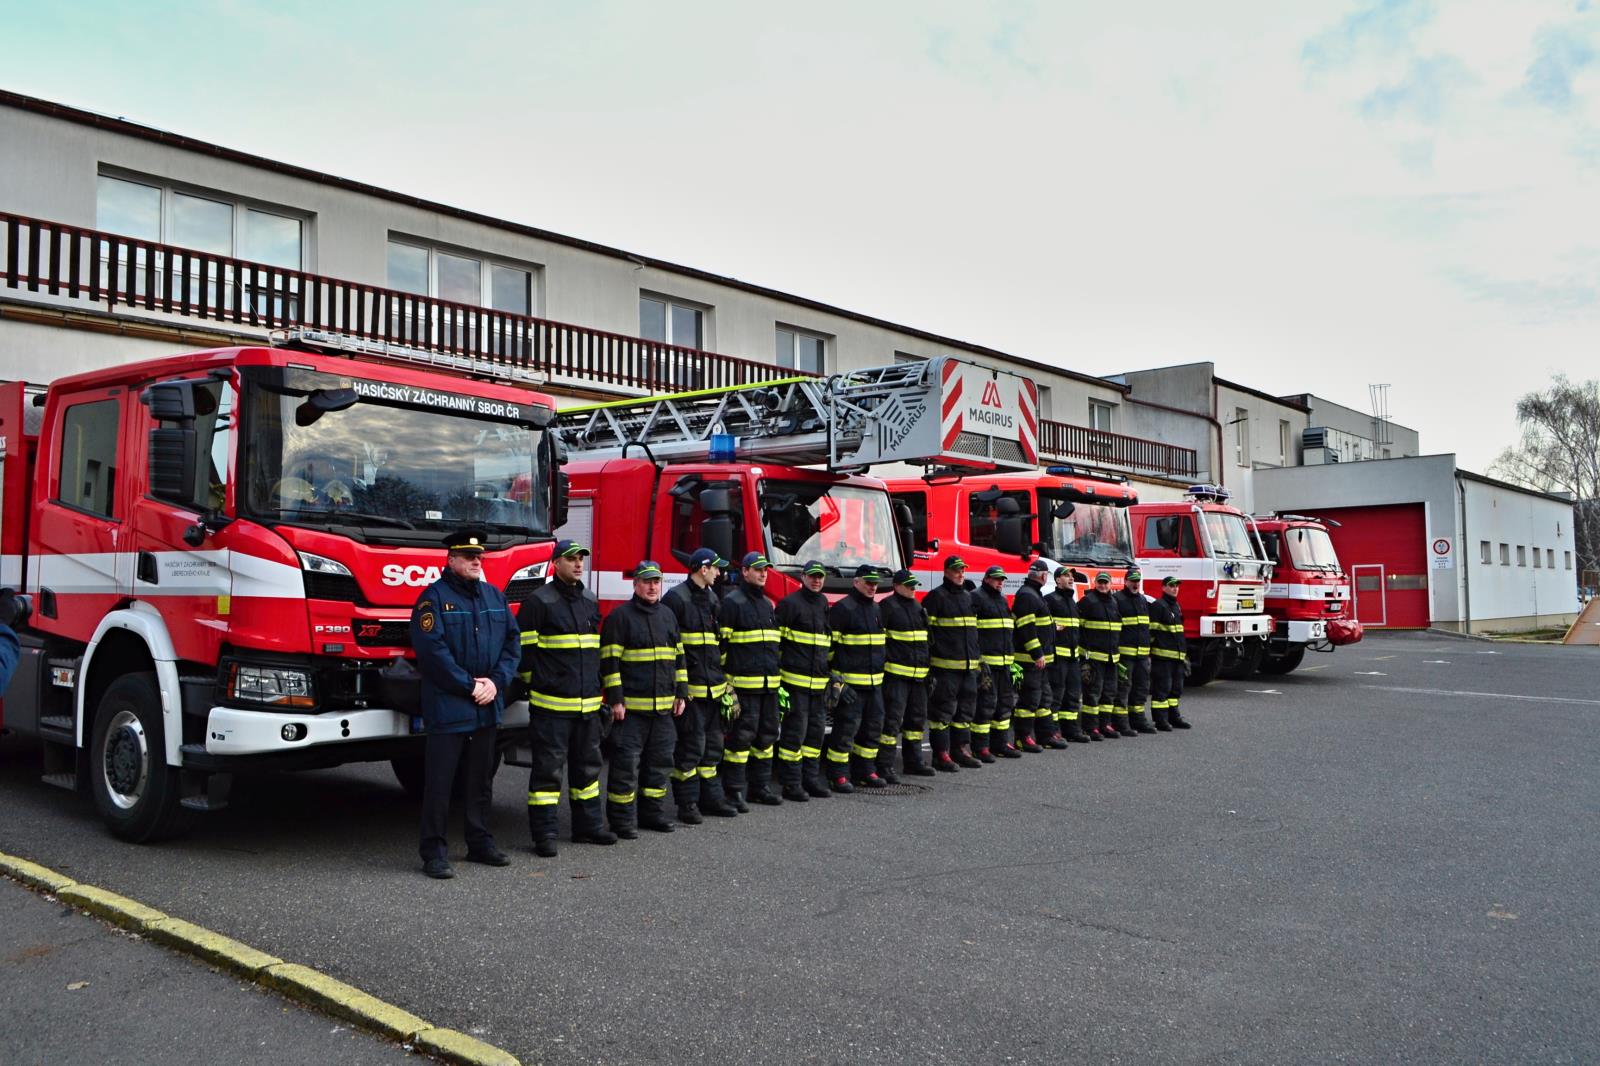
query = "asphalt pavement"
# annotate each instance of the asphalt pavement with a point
(1387, 856)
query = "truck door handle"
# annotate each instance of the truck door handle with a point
(146, 570)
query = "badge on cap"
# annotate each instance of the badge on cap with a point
(647, 570)
(906, 578)
(570, 549)
(815, 569)
(754, 560)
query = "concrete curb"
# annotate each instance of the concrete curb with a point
(300, 983)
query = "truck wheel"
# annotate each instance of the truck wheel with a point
(135, 790)
(1278, 665)
(1203, 668)
(1240, 662)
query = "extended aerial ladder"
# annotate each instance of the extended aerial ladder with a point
(943, 411)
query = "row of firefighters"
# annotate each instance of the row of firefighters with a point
(729, 699)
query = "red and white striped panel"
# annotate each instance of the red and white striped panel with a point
(951, 420)
(1028, 424)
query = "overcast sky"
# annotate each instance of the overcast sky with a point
(1316, 196)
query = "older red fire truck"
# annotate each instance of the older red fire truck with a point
(1309, 595)
(223, 549)
(1210, 547)
(734, 469)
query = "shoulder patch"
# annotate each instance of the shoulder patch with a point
(427, 621)
(424, 605)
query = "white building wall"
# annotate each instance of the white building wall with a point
(1516, 590)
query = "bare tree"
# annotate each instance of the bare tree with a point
(1560, 452)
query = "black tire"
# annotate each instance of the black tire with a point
(1240, 662)
(1278, 665)
(1203, 667)
(134, 789)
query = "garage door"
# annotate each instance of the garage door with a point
(1385, 551)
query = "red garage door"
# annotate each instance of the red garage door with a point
(1385, 551)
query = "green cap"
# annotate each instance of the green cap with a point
(1134, 574)
(647, 568)
(1102, 576)
(1063, 571)
(994, 571)
(815, 569)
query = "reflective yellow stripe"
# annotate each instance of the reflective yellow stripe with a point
(647, 655)
(587, 792)
(865, 753)
(736, 756)
(887, 741)
(572, 704)
(913, 734)
(913, 635)
(862, 679)
(913, 672)
(996, 660)
(648, 703)
(1102, 625)
(859, 640)
(809, 752)
(1027, 619)
(654, 793)
(708, 771)
(994, 623)
(955, 620)
(1064, 622)
(1098, 656)
(543, 799)
(682, 775)
(611, 681)
(753, 680)
(708, 692)
(699, 638)
(1167, 653)
(838, 756)
(788, 756)
(805, 681)
(623, 798)
(801, 636)
(761, 753)
(936, 726)
(1002, 724)
(530, 637)
(951, 664)
(568, 640)
(750, 636)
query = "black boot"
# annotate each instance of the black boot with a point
(713, 803)
(1159, 715)
(1072, 731)
(912, 761)
(939, 741)
(964, 757)
(1137, 719)
(759, 775)
(812, 781)
(864, 773)
(686, 796)
(885, 763)
(1176, 720)
(789, 775)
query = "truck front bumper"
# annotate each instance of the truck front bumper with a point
(240, 731)
(1303, 632)
(1235, 625)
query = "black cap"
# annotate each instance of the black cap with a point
(569, 549)
(1063, 571)
(468, 540)
(705, 557)
(994, 571)
(952, 562)
(869, 573)
(647, 568)
(1169, 580)
(1040, 565)
(814, 568)
(907, 578)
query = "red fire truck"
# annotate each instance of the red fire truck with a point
(1066, 514)
(1211, 548)
(1309, 595)
(731, 469)
(223, 549)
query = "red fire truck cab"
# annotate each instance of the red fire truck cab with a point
(1067, 515)
(1209, 546)
(1309, 593)
(223, 549)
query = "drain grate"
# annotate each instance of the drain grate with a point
(902, 789)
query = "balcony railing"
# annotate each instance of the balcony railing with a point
(1059, 440)
(96, 267)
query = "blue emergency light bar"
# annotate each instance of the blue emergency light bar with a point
(1215, 493)
(724, 446)
(1095, 475)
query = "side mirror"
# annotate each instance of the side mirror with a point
(322, 401)
(170, 401)
(172, 456)
(905, 532)
(1010, 534)
(1167, 533)
(554, 457)
(716, 502)
(716, 533)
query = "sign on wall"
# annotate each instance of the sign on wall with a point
(1440, 553)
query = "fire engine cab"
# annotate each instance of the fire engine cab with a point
(1210, 547)
(1309, 596)
(1068, 515)
(736, 469)
(223, 549)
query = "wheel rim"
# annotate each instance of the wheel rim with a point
(126, 760)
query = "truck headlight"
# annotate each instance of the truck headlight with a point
(276, 686)
(536, 572)
(321, 564)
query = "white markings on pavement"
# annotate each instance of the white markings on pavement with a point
(1308, 669)
(1488, 653)
(1485, 695)
(1440, 662)
(1371, 673)
(1264, 691)
(1382, 658)
(1501, 913)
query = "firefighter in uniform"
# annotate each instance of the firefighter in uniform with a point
(954, 662)
(1100, 631)
(858, 658)
(905, 679)
(560, 625)
(998, 697)
(1034, 644)
(1133, 679)
(1169, 660)
(695, 787)
(467, 649)
(646, 683)
(1066, 676)
(750, 661)
(803, 664)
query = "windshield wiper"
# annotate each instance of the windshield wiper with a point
(366, 516)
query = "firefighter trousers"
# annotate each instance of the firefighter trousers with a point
(570, 742)
(697, 754)
(1032, 699)
(1066, 690)
(1133, 688)
(905, 720)
(747, 758)
(869, 730)
(800, 735)
(641, 762)
(952, 698)
(445, 756)
(1166, 685)
(843, 723)
(1099, 690)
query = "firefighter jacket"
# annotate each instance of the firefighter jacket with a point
(641, 658)
(994, 625)
(1166, 629)
(1064, 609)
(1101, 626)
(560, 625)
(1034, 635)
(1135, 611)
(905, 631)
(696, 610)
(859, 644)
(460, 630)
(803, 640)
(952, 627)
(749, 639)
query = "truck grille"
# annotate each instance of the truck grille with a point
(522, 588)
(333, 587)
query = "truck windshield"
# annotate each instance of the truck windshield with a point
(842, 526)
(1310, 548)
(1228, 534)
(1072, 531)
(385, 467)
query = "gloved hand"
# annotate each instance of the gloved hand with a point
(1016, 673)
(1122, 670)
(730, 704)
(13, 608)
(783, 701)
(1187, 669)
(985, 680)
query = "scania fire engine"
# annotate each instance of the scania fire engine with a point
(733, 469)
(1068, 515)
(1210, 547)
(1309, 595)
(223, 549)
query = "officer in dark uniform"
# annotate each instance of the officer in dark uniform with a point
(1034, 641)
(803, 643)
(695, 786)
(750, 658)
(1169, 659)
(955, 661)
(997, 694)
(1066, 675)
(1133, 678)
(905, 679)
(560, 625)
(646, 684)
(1100, 633)
(467, 647)
(858, 657)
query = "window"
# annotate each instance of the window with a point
(907, 357)
(1505, 555)
(1522, 555)
(1169, 535)
(1485, 555)
(1568, 557)
(1047, 409)
(689, 519)
(801, 351)
(460, 278)
(1241, 436)
(1100, 415)
(667, 321)
(1538, 562)
(206, 222)
(1283, 443)
(983, 518)
(917, 504)
(1550, 558)
(88, 470)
